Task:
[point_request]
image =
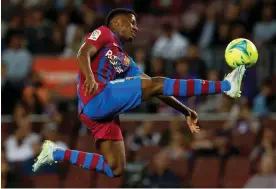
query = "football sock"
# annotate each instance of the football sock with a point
(86, 160)
(192, 87)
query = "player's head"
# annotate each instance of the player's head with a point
(122, 22)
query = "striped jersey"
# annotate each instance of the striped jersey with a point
(111, 62)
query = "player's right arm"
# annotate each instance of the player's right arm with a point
(86, 51)
(94, 41)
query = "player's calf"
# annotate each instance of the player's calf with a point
(116, 167)
(192, 87)
(114, 154)
(92, 161)
(182, 87)
(51, 153)
(231, 86)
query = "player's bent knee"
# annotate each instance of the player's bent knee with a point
(111, 161)
(117, 168)
(153, 86)
(118, 171)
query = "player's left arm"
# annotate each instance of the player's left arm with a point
(191, 115)
(171, 101)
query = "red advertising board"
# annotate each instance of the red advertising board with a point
(58, 74)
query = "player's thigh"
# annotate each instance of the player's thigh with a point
(117, 97)
(114, 153)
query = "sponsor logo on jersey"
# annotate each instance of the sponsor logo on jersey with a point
(118, 62)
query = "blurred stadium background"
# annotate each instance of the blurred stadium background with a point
(177, 38)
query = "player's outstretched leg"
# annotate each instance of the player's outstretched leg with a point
(184, 88)
(52, 154)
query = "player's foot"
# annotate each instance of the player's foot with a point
(45, 156)
(235, 79)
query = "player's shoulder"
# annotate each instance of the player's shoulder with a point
(102, 30)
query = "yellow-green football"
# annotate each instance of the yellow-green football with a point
(241, 52)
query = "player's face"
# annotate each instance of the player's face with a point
(128, 27)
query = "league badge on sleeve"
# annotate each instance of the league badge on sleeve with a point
(95, 35)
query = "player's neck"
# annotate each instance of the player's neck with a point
(121, 42)
(116, 33)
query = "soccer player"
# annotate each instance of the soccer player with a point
(109, 83)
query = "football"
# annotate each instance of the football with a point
(241, 52)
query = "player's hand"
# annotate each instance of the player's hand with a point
(192, 122)
(90, 86)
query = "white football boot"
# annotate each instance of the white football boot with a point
(235, 79)
(46, 155)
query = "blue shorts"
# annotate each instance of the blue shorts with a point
(117, 97)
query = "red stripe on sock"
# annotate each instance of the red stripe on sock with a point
(95, 160)
(205, 87)
(176, 87)
(81, 158)
(217, 87)
(67, 155)
(190, 87)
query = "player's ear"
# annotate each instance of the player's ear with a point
(116, 22)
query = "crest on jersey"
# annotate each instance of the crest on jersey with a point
(127, 61)
(95, 35)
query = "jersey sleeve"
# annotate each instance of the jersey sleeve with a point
(133, 69)
(99, 37)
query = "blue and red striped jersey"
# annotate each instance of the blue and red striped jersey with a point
(110, 62)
